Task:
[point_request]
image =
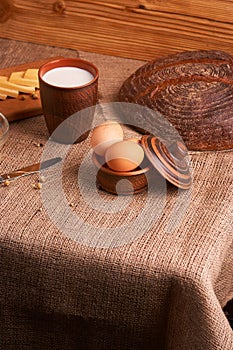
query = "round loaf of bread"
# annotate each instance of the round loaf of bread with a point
(193, 90)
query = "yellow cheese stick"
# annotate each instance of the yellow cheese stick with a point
(18, 78)
(8, 85)
(9, 92)
(16, 75)
(3, 97)
(26, 82)
(31, 73)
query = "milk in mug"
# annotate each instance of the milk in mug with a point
(68, 77)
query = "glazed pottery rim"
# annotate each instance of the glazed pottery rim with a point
(59, 63)
(120, 173)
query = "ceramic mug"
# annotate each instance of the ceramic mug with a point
(68, 86)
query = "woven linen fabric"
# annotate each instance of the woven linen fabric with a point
(136, 274)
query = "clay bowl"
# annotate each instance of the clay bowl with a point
(121, 183)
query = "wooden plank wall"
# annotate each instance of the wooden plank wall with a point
(140, 29)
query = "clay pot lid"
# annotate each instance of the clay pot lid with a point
(169, 160)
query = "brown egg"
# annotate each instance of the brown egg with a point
(104, 135)
(124, 156)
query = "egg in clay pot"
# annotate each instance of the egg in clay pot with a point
(105, 135)
(124, 156)
(126, 166)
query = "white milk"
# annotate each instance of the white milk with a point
(67, 77)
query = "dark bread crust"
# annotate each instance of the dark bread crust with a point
(193, 90)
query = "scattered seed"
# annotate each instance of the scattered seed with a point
(37, 186)
(6, 183)
(42, 179)
(38, 144)
(71, 204)
(35, 96)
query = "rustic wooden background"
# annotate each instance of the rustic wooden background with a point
(140, 29)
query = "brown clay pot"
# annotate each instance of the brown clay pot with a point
(135, 181)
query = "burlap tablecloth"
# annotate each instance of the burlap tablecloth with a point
(161, 289)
